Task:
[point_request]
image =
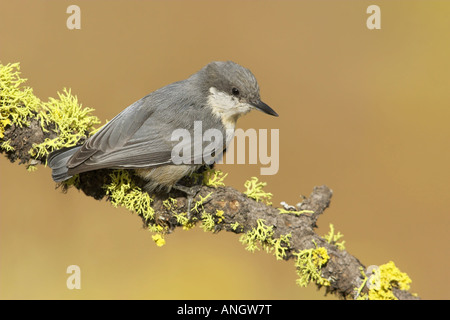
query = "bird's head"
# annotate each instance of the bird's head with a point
(232, 90)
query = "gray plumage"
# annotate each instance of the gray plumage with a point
(140, 136)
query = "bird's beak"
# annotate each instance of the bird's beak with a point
(264, 108)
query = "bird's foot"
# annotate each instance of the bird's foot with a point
(191, 193)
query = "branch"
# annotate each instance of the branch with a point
(29, 133)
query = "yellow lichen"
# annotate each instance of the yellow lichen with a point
(219, 215)
(281, 245)
(309, 264)
(7, 146)
(183, 220)
(72, 123)
(31, 168)
(359, 295)
(65, 116)
(334, 238)
(123, 192)
(209, 221)
(198, 205)
(297, 213)
(3, 124)
(159, 239)
(17, 103)
(214, 178)
(254, 190)
(170, 204)
(261, 234)
(384, 279)
(235, 225)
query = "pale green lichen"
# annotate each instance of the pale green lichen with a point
(220, 216)
(17, 102)
(262, 235)
(297, 213)
(198, 205)
(3, 124)
(184, 221)
(281, 245)
(72, 123)
(154, 227)
(214, 178)
(123, 192)
(359, 295)
(31, 168)
(309, 264)
(384, 279)
(159, 239)
(65, 116)
(254, 190)
(170, 204)
(333, 238)
(7, 146)
(209, 221)
(234, 226)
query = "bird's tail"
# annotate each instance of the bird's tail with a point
(57, 160)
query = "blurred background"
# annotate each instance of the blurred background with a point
(365, 112)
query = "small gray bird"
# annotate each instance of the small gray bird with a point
(139, 137)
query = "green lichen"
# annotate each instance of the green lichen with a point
(198, 205)
(6, 145)
(334, 238)
(214, 178)
(209, 221)
(31, 168)
(384, 279)
(70, 120)
(159, 239)
(3, 124)
(234, 226)
(64, 116)
(184, 221)
(254, 190)
(309, 263)
(220, 216)
(154, 227)
(17, 102)
(281, 245)
(359, 295)
(170, 204)
(159, 231)
(260, 235)
(123, 192)
(297, 213)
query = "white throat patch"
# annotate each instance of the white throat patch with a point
(227, 107)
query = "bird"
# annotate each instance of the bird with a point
(140, 138)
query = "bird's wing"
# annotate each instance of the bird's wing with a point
(142, 136)
(114, 134)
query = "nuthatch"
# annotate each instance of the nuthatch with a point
(139, 137)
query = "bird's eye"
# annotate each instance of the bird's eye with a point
(235, 91)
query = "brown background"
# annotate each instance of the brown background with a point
(365, 112)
